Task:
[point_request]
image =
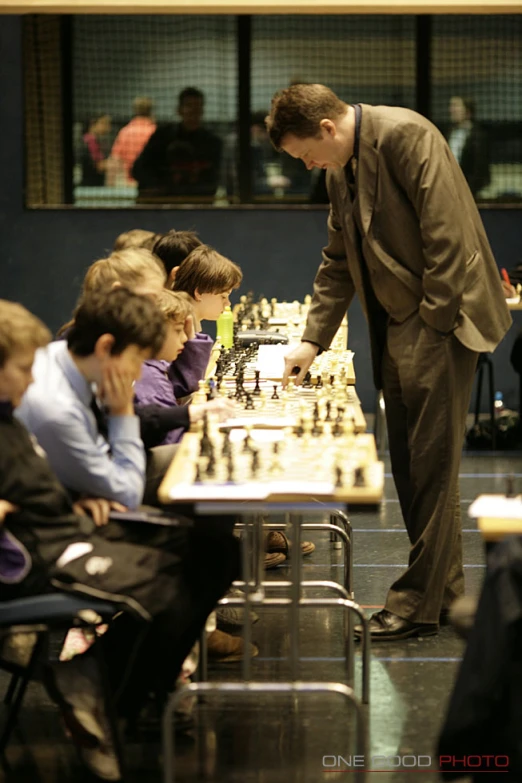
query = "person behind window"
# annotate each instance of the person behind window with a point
(132, 138)
(180, 159)
(264, 161)
(93, 157)
(468, 143)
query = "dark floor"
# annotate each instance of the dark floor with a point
(268, 738)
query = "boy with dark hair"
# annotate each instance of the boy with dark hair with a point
(209, 278)
(173, 248)
(92, 453)
(168, 578)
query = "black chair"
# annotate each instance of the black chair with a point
(42, 615)
(485, 363)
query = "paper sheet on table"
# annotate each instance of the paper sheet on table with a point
(271, 360)
(497, 506)
(513, 300)
(250, 490)
(247, 491)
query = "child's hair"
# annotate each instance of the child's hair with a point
(130, 268)
(130, 318)
(136, 237)
(208, 272)
(20, 330)
(175, 305)
(173, 247)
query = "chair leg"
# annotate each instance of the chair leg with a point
(14, 707)
(10, 692)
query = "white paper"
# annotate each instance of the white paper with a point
(247, 491)
(498, 506)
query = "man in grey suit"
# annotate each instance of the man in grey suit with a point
(404, 234)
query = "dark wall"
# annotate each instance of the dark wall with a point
(44, 254)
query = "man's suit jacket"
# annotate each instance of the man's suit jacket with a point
(421, 235)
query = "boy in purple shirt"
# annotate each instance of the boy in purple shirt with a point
(178, 367)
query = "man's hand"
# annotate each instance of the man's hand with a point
(189, 327)
(302, 356)
(6, 508)
(97, 508)
(117, 392)
(222, 407)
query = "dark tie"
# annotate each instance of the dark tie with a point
(101, 419)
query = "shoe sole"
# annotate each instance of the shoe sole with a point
(234, 656)
(391, 637)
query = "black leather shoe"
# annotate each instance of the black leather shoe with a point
(386, 626)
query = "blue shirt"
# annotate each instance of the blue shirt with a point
(56, 409)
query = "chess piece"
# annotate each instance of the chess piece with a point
(200, 396)
(275, 395)
(359, 478)
(257, 387)
(249, 406)
(328, 416)
(338, 476)
(230, 467)
(255, 462)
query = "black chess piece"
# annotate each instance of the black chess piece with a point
(316, 411)
(307, 381)
(359, 479)
(230, 467)
(198, 478)
(328, 416)
(340, 413)
(338, 477)
(319, 382)
(226, 450)
(275, 395)
(255, 461)
(332, 380)
(257, 387)
(249, 406)
(211, 465)
(247, 444)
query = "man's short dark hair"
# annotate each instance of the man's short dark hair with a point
(299, 110)
(130, 318)
(190, 92)
(173, 247)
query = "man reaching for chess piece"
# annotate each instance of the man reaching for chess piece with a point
(404, 233)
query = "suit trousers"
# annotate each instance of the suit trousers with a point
(427, 381)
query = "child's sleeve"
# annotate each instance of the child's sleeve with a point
(190, 367)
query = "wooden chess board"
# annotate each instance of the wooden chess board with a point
(289, 468)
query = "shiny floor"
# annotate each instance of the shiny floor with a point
(276, 739)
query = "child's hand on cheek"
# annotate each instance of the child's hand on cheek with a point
(189, 327)
(117, 391)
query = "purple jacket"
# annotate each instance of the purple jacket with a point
(162, 383)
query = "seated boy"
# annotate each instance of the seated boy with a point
(91, 452)
(166, 580)
(172, 248)
(178, 366)
(208, 278)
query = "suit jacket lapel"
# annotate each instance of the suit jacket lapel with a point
(367, 167)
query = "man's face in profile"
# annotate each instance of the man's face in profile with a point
(191, 113)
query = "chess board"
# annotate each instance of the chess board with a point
(278, 407)
(274, 465)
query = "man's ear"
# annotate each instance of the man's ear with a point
(116, 284)
(328, 126)
(197, 295)
(103, 346)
